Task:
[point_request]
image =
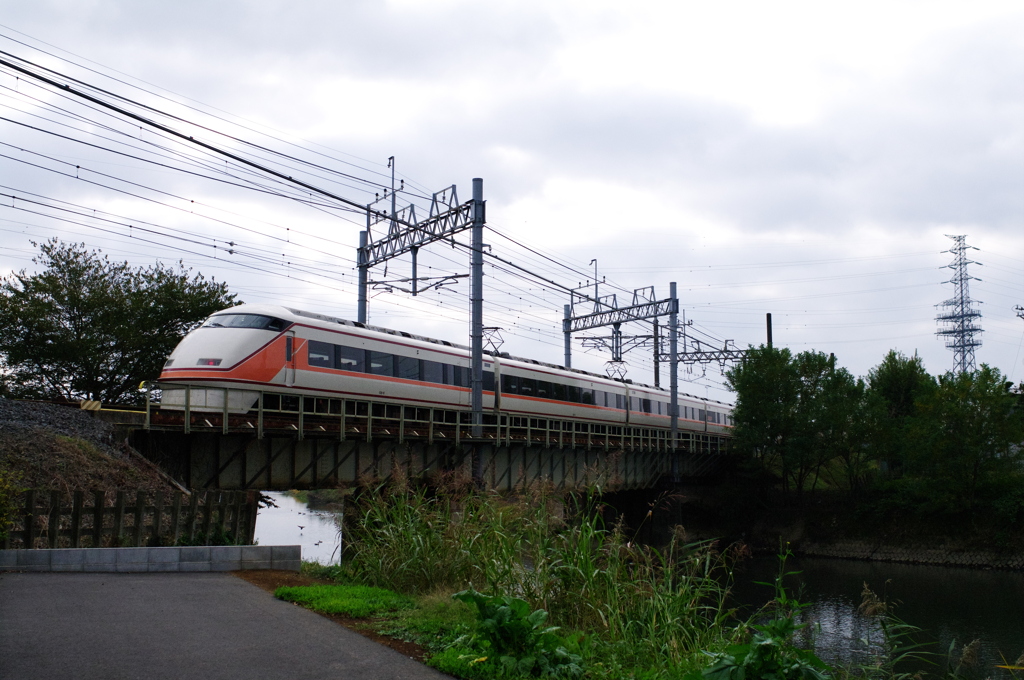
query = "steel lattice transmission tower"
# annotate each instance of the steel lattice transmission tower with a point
(959, 324)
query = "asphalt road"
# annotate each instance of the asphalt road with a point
(155, 626)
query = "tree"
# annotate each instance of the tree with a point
(967, 436)
(89, 328)
(796, 415)
(894, 388)
(766, 386)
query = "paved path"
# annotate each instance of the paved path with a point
(155, 626)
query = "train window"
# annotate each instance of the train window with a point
(488, 381)
(510, 384)
(558, 391)
(258, 321)
(528, 387)
(461, 376)
(619, 401)
(572, 393)
(544, 389)
(700, 414)
(433, 371)
(645, 405)
(381, 363)
(288, 344)
(408, 368)
(587, 396)
(320, 354)
(350, 358)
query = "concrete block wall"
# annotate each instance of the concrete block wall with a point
(181, 559)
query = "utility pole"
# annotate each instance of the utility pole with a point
(567, 335)
(364, 272)
(673, 365)
(476, 294)
(657, 353)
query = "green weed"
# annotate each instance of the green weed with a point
(354, 601)
(643, 612)
(519, 639)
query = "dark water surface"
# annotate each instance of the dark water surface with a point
(949, 604)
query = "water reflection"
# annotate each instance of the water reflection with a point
(294, 523)
(950, 605)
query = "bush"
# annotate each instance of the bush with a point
(517, 637)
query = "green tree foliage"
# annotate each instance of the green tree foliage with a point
(766, 386)
(796, 414)
(967, 435)
(903, 441)
(894, 388)
(87, 327)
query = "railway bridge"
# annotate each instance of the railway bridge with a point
(286, 441)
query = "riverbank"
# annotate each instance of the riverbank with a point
(824, 524)
(904, 554)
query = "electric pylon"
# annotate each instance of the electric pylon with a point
(959, 323)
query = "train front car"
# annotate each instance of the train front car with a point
(237, 348)
(244, 345)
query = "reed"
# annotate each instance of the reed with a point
(635, 606)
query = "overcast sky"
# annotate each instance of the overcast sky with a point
(799, 158)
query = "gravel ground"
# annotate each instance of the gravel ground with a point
(49, 447)
(70, 422)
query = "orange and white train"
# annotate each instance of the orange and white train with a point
(276, 349)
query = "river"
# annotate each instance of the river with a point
(950, 605)
(292, 522)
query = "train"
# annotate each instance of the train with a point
(266, 348)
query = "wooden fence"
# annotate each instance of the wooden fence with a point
(49, 519)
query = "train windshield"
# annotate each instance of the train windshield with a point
(245, 321)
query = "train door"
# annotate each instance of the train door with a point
(289, 358)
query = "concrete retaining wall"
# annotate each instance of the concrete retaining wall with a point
(196, 558)
(858, 550)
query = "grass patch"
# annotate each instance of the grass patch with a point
(347, 600)
(435, 623)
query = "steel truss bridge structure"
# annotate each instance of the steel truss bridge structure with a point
(296, 442)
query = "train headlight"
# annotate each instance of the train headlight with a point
(208, 362)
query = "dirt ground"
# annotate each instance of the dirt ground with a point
(272, 579)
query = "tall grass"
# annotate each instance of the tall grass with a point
(639, 606)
